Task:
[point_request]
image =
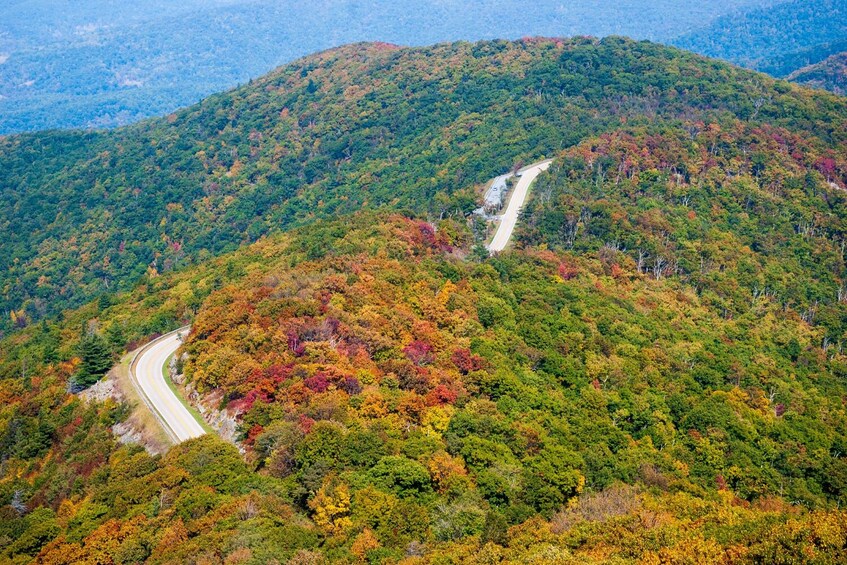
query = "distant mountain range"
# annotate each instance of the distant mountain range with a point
(775, 39)
(103, 63)
(829, 74)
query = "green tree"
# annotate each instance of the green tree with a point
(116, 336)
(96, 359)
(402, 476)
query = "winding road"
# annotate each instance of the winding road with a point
(147, 369)
(147, 372)
(510, 218)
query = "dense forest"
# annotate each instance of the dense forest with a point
(400, 400)
(106, 63)
(653, 373)
(792, 65)
(87, 213)
(830, 74)
(102, 64)
(776, 39)
(742, 213)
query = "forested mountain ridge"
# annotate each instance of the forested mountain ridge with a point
(400, 402)
(751, 195)
(363, 126)
(787, 65)
(830, 74)
(105, 63)
(654, 374)
(776, 39)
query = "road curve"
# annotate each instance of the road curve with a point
(147, 371)
(510, 218)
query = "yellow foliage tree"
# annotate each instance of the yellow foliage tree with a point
(443, 467)
(436, 419)
(373, 404)
(331, 507)
(172, 537)
(364, 542)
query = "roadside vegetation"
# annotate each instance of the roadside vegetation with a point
(655, 373)
(366, 126)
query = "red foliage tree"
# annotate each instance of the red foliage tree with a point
(419, 352)
(318, 383)
(295, 345)
(351, 385)
(467, 362)
(567, 271)
(306, 423)
(441, 394)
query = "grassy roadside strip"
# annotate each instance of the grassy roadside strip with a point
(193, 411)
(153, 410)
(136, 355)
(141, 417)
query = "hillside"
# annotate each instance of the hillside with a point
(400, 401)
(104, 63)
(775, 39)
(786, 65)
(364, 126)
(654, 373)
(830, 74)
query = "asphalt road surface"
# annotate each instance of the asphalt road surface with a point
(510, 217)
(148, 374)
(148, 368)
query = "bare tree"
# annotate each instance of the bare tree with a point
(642, 259)
(17, 502)
(808, 315)
(659, 267)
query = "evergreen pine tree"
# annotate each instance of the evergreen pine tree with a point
(116, 337)
(96, 359)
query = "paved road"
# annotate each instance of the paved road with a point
(510, 217)
(148, 375)
(147, 370)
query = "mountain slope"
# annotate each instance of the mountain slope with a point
(776, 39)
(785, 65)
(830, 74)
(655, 372)
(108, 63)
(395, 398)
(358, 127)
